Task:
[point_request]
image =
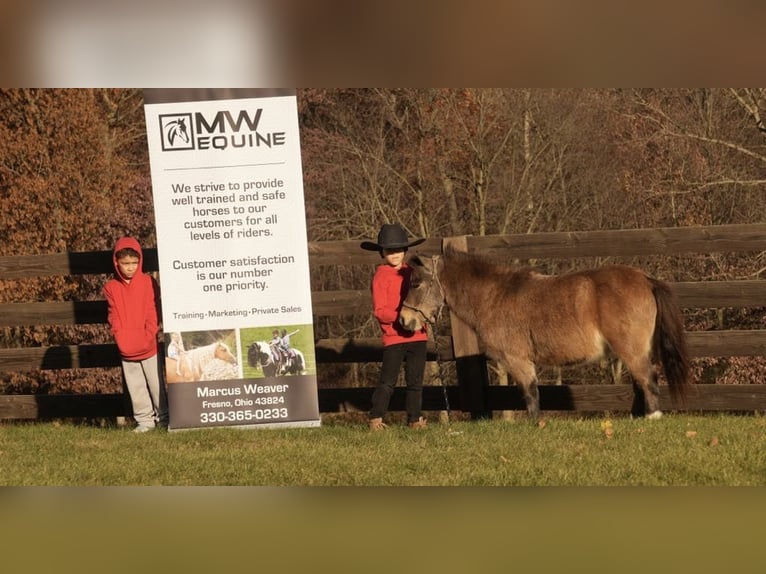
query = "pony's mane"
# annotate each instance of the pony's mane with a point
(471, 263)
(476, 265)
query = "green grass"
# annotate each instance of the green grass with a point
(681, 450)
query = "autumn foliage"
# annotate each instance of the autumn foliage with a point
(74, 175)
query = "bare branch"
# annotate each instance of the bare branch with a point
(750, 103)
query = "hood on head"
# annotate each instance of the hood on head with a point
(123, 243)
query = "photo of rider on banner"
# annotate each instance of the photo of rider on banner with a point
(278, 351)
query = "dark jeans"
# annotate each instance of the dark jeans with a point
(414, 357)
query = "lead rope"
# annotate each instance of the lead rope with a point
(440, 367)
(439, 362)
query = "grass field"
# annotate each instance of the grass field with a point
(681, 450)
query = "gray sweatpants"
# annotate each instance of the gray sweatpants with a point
(147, 391)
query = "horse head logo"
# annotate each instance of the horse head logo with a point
(177, 129)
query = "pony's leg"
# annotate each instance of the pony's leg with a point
(523, 372)
(617, 371)
(646, 390)
(532, 397)
(614, 367)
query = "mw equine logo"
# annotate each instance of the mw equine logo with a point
(219, 131)
(176, 132)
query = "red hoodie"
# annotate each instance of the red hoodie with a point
(389, 288)
(133, 307)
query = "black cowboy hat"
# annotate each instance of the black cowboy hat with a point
(391, 236)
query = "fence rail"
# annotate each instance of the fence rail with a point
(471, 393)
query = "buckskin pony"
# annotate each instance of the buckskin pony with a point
(525, 318)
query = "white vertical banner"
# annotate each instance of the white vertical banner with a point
(227, 185)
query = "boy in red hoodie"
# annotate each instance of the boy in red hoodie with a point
(132, 298)
(389, 288)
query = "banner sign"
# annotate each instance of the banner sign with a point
(227, 185)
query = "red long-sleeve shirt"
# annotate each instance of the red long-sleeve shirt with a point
(389, 288)
(132, 308)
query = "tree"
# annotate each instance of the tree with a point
(73, 177)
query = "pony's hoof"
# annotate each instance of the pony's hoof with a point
(654, 416)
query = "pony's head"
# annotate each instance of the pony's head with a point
(258, 354)
(223, 352)
(425, 297)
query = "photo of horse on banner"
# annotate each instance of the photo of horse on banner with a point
(277, 351)
(210, 362)
(526, 318)
(275, 362)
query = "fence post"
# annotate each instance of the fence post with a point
(470, 362)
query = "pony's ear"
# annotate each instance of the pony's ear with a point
(415, 261)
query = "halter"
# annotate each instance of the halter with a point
(433, 322)
(432, 319)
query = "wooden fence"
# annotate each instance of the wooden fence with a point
(471, 392)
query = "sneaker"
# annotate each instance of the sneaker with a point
(143, 428)
(418, 424)
(377, 424)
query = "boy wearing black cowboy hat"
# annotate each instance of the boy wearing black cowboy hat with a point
(389, 288)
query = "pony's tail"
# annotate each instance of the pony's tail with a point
(670, 339)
